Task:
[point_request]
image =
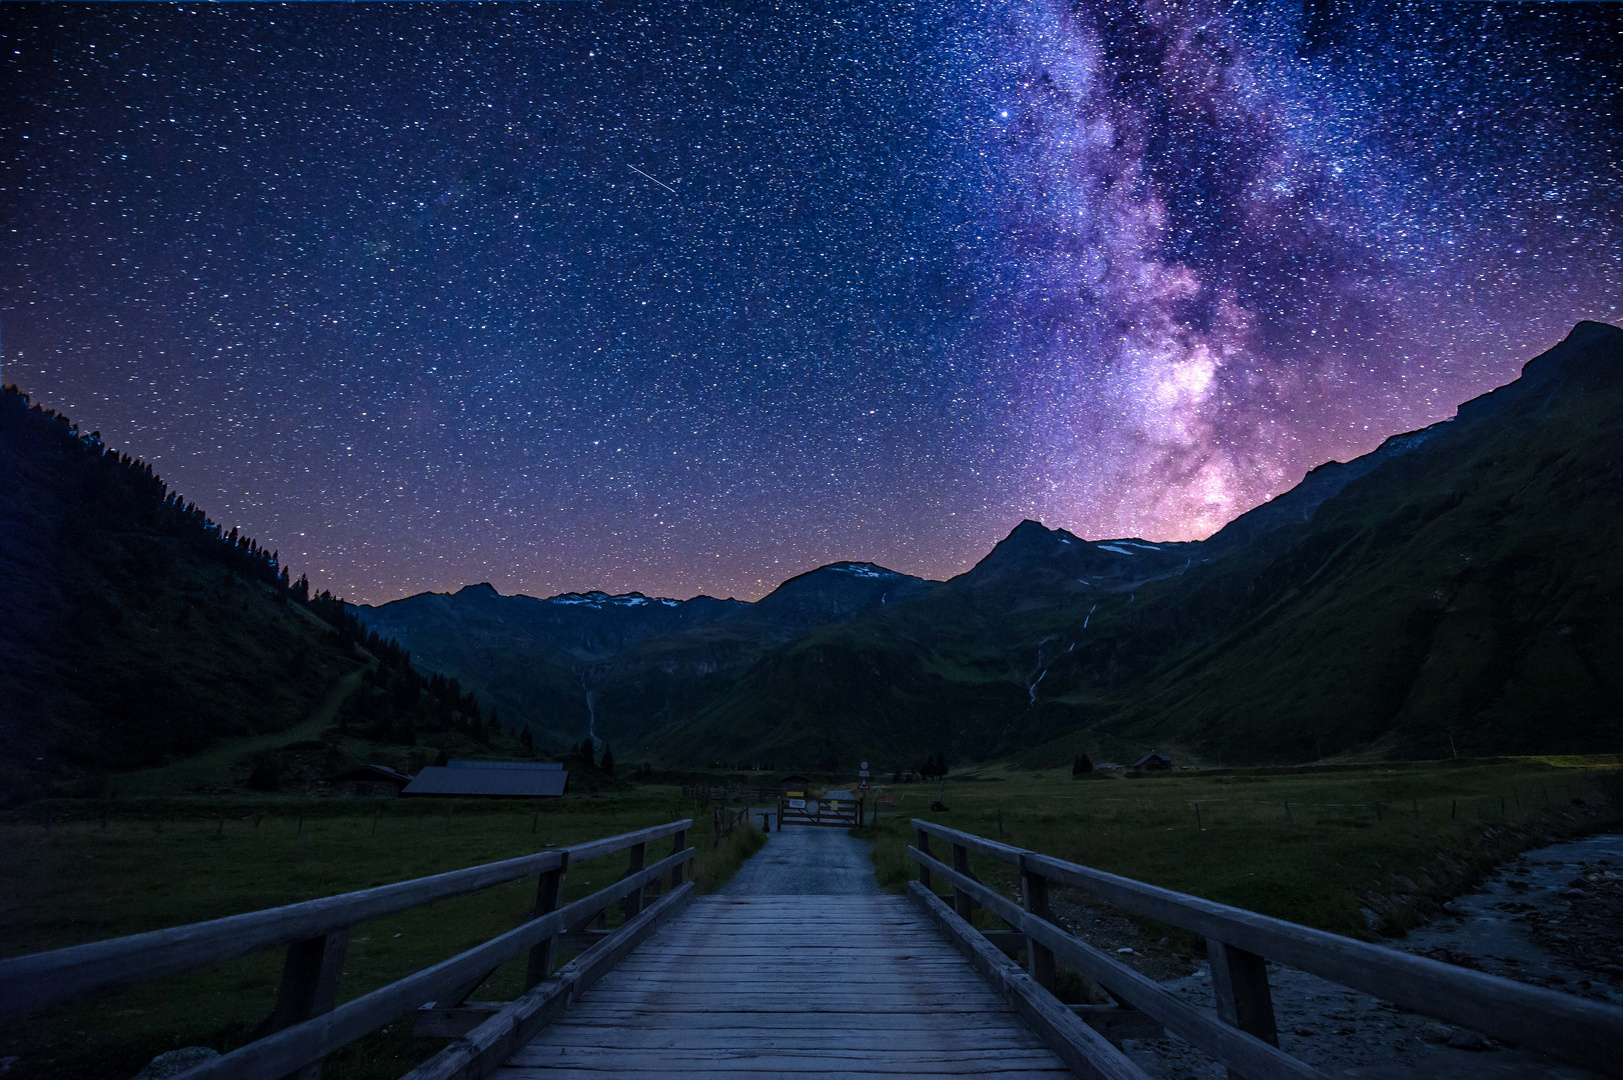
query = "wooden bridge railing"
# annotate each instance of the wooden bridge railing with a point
(1242, 1033)
(307, 1024)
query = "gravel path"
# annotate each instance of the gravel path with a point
(806, 860)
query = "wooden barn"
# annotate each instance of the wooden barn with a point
(1154, 762)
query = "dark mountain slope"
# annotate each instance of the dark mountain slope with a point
(643, 660)
(136, 631)
(1461, 595)
(1459, 583)
(133, 629)
(529, 657)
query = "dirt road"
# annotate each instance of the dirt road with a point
(806, 860)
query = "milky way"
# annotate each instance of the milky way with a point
(686, 299)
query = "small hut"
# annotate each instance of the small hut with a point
(1154, 762)
(794, 787)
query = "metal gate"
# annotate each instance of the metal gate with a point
(842, 813)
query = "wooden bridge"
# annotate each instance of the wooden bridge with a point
(796, 985)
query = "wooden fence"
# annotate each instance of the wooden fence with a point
(307, 1024)
(726, 820)
(736, 793)
(1242, 1033)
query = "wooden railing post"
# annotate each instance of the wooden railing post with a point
(962, 903)
(309, 987)
(921, 840)
(1240, 980)
(549, 891)
(632, 904)
(678, 843)
(1034, 897)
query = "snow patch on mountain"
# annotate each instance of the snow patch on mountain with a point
(865, 570)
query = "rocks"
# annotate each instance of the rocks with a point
(176, 1062)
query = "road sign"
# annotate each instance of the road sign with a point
(863, 773)
(862, 785)
(863, 767)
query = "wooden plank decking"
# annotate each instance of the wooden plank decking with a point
(790, 985)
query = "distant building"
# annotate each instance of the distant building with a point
(491, 780)
(1153, 763)
(794, 787)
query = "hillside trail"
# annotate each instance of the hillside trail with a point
(213, 766)
(807, 860)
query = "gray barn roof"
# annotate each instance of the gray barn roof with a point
(460, 763)
(512, 783)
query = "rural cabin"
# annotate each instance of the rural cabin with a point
(794, 787)
(459, 779)
(1154, 762)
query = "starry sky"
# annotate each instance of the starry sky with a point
(691, 298)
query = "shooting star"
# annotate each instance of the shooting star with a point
(639, 172)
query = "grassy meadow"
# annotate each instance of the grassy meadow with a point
(100, 870)
(1386, 838)
(1315, 846)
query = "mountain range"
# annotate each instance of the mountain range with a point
(1452, 592)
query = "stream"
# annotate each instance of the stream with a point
(1551, 917)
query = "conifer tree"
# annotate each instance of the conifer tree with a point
(608, 760)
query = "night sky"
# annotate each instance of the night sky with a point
(685, 298)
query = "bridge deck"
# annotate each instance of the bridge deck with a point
(802, 985)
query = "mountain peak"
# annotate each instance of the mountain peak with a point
(480, 591)
(1029, 527)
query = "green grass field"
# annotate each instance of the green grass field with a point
(1300, 844)
(156, 862)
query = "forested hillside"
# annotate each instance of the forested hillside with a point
(136, 630)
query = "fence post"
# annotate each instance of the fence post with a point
(548, 891)
(1034, 894)
(309, 987)
(678, 845)
(1240, 980)
(921, 840)
(961, 901)
(632, 904)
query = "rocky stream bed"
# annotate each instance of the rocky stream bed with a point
(1551, 917)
